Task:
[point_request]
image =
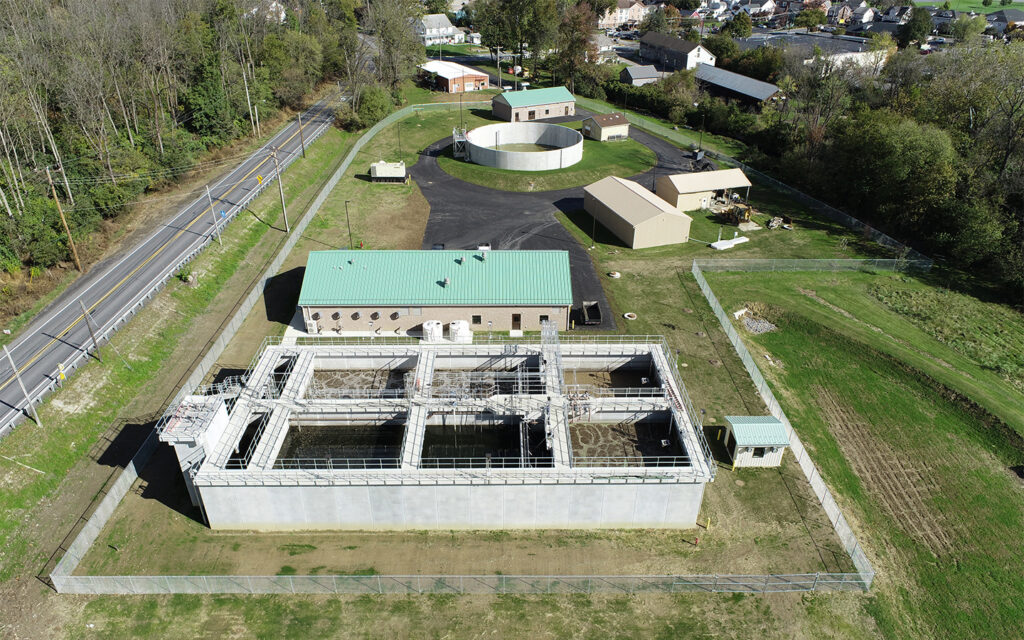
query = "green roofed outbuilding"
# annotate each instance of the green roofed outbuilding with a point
(755, 441)
(397, 291)
(533, 104)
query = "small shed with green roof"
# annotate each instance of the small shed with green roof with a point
(397, 291)
(533, 104)
(755, 441)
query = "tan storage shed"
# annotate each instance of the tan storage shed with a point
(533, 104)
(638, 217)
(692, 191)
(606, 126)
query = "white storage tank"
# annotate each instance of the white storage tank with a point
(458, 331)
(433, 331)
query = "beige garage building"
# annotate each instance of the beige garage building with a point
(692, 191)
(638, 217)
(606, 126)
(533, 104)
(389, 291)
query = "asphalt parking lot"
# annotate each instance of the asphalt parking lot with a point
(464, 215)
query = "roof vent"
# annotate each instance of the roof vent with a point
(447, 282)
(483, 255)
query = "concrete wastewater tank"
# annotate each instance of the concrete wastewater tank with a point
(525, 146)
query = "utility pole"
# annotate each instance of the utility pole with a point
(92, 332)
(67, 230)
(280, 189)
(500, 88)
(213, 213)
(348, 224)
(17, 376)
(302, 137)
(399, 125)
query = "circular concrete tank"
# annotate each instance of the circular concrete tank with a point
(525, 146)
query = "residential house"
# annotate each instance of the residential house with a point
(999, 20)
(673, 53)
(863, 15)
(757, 7)
(624, 13)
(897, 14)
(843, 13)
(436, 28)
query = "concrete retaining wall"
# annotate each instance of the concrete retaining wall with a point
(480, 142)
(545, 506)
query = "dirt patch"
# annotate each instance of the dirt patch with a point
(904, 487)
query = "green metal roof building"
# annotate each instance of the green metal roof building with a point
(398, 290)
(533, 104)
(755, 441)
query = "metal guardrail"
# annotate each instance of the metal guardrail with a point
(803, 458)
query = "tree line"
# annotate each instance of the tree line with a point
(928, 148)
(121, 97)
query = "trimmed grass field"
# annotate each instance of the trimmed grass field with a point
(971, 5)
(624, 158)
(932, 481)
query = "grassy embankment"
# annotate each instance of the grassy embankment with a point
(880, 374)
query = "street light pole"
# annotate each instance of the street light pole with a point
(348, 223)
(280, 190)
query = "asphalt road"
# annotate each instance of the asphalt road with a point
(59, 335)
(464, 215)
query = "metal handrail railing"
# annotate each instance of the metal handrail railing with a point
(329, 464)
(632, 461)
(486, 463)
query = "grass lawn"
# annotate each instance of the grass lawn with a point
(447, 50)
(925, 476)
(970, 5)
(624, 158)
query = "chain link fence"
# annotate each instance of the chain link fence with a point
(458, 584)
(803, 458)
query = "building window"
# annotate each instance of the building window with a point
(543, 318)
(758, 452)
(416, 311)
(476, 319)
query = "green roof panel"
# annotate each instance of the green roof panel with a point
(415, 278)
(758, 431)
(534, 97)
